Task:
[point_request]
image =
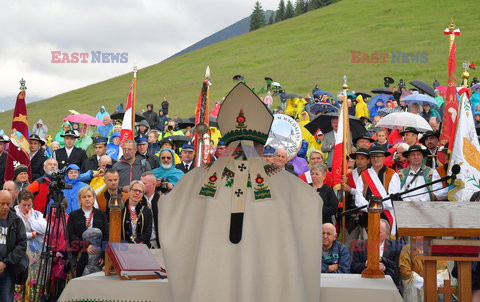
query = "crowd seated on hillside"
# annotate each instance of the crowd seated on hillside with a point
(145, 168)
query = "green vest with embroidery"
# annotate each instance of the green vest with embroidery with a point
(427, 176)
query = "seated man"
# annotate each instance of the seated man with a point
(389, 254)
(335, 255)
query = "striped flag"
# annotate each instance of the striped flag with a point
(340, 152)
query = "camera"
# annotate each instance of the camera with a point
(170, 127)
(163, 186)
(57, 180)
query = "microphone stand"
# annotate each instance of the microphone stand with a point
(397, 196)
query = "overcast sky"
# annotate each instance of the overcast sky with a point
(148, 30)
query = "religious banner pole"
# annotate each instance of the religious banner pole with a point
(447, 133)
(202, 121)
(134, 101)
(346, 151)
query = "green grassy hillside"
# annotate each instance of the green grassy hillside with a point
(315, 48)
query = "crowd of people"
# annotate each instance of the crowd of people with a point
(95, 168)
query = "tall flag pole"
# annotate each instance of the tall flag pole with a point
(134, 103)
(450, 116)
(19, 147)
(341, 150)
(201, 139)
(128, 123)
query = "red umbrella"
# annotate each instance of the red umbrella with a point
(83, 118)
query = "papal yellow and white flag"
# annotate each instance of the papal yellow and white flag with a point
(466, 153)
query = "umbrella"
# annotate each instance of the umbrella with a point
(238, 78)
(268, 79)
(322, 107)
(363, 94)
(321, 92)
(381, 98)
(386, 111)
(323, 122)
(420, 99)
(290, 96)
(424, 87)
(183, 123)
(382, 90)
(118, 115)
(404, 119)
(475, 87)
(179, 139)
(84, 118)
(212, 121)
(277, 84)
(442, 90)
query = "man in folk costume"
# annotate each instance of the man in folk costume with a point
(380, 181)
(418, 174)
(430, 140)
(234, 213)
(356, 224)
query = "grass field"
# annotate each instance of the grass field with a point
(314, 48)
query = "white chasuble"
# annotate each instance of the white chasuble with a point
(278, 254)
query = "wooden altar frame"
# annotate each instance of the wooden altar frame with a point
(436, 219)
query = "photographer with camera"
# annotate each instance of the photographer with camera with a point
(167, 175)
(40, 187)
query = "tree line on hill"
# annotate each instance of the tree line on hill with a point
(284, 11)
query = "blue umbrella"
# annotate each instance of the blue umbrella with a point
(320, 92)
(420, 99)
(322, 107)
(378, 98)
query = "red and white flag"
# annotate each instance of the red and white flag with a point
(127, 131)
(340, 150)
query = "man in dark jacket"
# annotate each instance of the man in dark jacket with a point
(37, 156)
(91, 163)
(130, 167)
(142, 148)
(165, 105)
(151, 198)
(187, 156)
(3, 157)
(389, 254)
(151, 116)
(13, 247)
(69, 154)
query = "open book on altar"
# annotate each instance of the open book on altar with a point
(134, 261)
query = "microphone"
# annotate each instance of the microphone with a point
(455, 170)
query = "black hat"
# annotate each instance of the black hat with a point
(19, 169)
(361, 151)
(35, 137)
(70, 133)
(167, 140)
(4, 139)
(141, 139)
(100, 140)
(415, 148)
(364, 136)
(429, 133)
(377, 150)
(409, 129)
(187, 147)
